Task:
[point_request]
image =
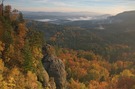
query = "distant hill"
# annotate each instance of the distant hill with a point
(60, 13)
(125, 17)
(62, 17)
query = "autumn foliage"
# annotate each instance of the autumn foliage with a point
(94, 72)
(20, 61)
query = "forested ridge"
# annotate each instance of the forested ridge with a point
(20, 54)
(92, 59)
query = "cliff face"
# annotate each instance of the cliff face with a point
(54, 67)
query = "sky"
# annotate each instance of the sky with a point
(99, 6)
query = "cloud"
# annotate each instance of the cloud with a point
(101, 6)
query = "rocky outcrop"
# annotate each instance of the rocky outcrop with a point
(55, 68)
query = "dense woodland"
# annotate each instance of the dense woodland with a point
(94, 59)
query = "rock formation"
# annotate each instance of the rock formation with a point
(55, 67)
